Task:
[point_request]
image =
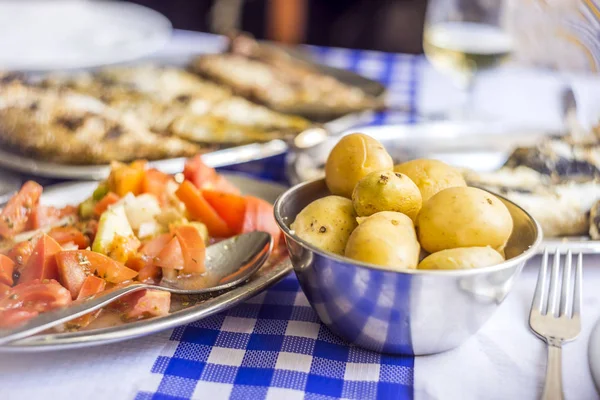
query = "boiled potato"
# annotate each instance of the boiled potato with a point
(386, 239)
(326, 223)
(463, 217)
(462, 258)
(353, 157)
(430, 176)
(386, 191)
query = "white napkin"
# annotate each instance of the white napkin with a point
(505, 360)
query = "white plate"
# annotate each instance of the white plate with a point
(43, 35)
(181, 312)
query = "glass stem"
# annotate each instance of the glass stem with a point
(468, 89)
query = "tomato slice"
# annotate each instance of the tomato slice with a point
(4, 290)
(171, 256)
(192, 247)
(7, 267)
(150, 274)
(109, 199)
(21, 252)
(145, 304)
(13, 318)
(72, 274)
(13, 218)
(69, 234)
(99, 264)
(91, 285)
(27, 300)
(259, 217)
(42, 263)
(201, 211)
(37, 295)
(205, 177)
(43, 216)
(154, 246)
(230, 207)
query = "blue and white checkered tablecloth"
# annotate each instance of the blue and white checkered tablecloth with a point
(273, 346)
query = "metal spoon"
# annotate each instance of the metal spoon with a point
(228, 263)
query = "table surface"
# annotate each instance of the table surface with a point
(274, 347)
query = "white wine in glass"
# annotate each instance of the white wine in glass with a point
(461, 41)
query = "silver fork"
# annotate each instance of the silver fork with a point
(557, 321)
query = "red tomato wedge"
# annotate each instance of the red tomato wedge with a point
(21, 252)
(171, 256)
(205, 177)
(37, 295)
(230, 207)
(69, 234)
(7, 267)
(43, 216)
(259, 217)
(99, 264)
(192, 247)
(15, 317)
(109, 199)
(42, 263)
(4, 290)
(201, 211)
(13, 218)
(153, 247)
(150, 274)
(26, 300)
(91, 285)
(145, 304)
(155, 183)
(72, 274)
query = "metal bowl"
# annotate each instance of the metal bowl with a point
(414, 312)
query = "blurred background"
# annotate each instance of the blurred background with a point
(385, 25)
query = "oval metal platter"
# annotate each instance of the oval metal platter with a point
(183, 309)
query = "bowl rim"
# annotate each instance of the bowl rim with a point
(521, 258)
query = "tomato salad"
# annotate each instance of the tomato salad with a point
(138, 225)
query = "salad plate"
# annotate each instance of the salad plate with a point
(183, 309)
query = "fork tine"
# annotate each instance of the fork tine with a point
(539, 297)
(578, 286)
(566, 286)
(553, 287)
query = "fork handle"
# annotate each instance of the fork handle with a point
(553, 386)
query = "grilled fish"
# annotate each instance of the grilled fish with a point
(281, 82)
(69, 127)
(175, 102)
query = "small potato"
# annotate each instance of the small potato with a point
(386, 191)
(430, 176)
(353, 157)
(326, 223)
(462, 258)
(387, 239)
(463, 217)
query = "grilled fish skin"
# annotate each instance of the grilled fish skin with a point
(175, 102)
(281, 83)
(68, 127)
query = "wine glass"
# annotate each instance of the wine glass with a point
(462, 37)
